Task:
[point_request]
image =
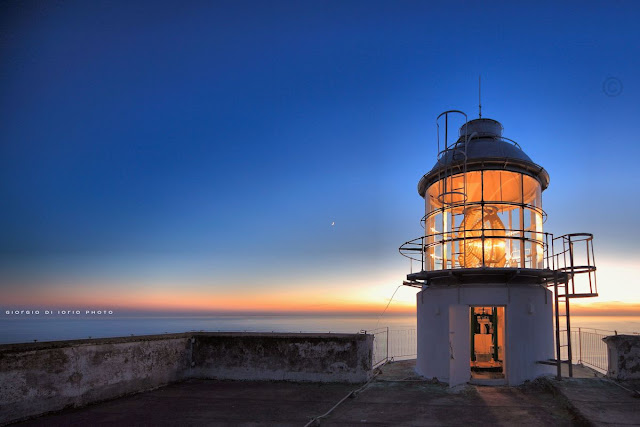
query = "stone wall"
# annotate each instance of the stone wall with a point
(290, 357)
(42, 377)
(36, 378)
(624, 356)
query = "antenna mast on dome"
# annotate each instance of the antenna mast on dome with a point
(479, 98)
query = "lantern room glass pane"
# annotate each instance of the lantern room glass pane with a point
(447, 190)
(532, 191)
(502, 186)
(474, 187)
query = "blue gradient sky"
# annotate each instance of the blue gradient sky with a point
(156, 153)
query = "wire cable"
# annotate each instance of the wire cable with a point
(354, 393)
(388, 304)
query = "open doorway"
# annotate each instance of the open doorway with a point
(487, 343)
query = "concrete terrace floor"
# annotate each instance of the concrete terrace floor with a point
(396, 397)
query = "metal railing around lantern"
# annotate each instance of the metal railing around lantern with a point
(417, 249)
(525, 245)
(560, 253)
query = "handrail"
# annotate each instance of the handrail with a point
(419, 244)
(455, 147)
(475, 135)
(505, 139)
(561, 261)
(452, 206)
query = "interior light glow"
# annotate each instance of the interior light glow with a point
(471, 231)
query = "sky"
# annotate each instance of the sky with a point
(264, 156)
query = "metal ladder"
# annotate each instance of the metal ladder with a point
(562, 297)
(458, 152)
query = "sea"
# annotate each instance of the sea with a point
(19, 328)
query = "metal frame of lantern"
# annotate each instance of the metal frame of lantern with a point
(552, 269)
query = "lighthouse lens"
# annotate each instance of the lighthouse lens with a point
(490, 247)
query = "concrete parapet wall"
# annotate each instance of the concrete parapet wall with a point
(42, 377)
(36, 378)
(624, 356)
(290, 357)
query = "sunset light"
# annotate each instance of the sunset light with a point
(217, 158)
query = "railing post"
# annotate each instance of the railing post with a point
(422, 252)
(580, 345)
(557, 313)
(387, 359)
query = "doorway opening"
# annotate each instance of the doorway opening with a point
(487, 343)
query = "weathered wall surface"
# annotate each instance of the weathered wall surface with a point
(289, 357)
(624, 356)
(43, 377)
(40, 377)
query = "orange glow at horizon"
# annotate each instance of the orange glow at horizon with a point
(226, 300)
(346, 292)
(302, 301)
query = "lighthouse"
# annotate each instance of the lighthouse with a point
(495, 288)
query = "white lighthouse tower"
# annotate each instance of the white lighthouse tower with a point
(485, 309)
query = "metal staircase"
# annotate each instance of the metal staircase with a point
(572, 279)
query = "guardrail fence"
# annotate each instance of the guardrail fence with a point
(588, 348)
(393, 344)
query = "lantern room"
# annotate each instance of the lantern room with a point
(483, 204)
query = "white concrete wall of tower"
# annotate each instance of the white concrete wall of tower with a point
(444, 335)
